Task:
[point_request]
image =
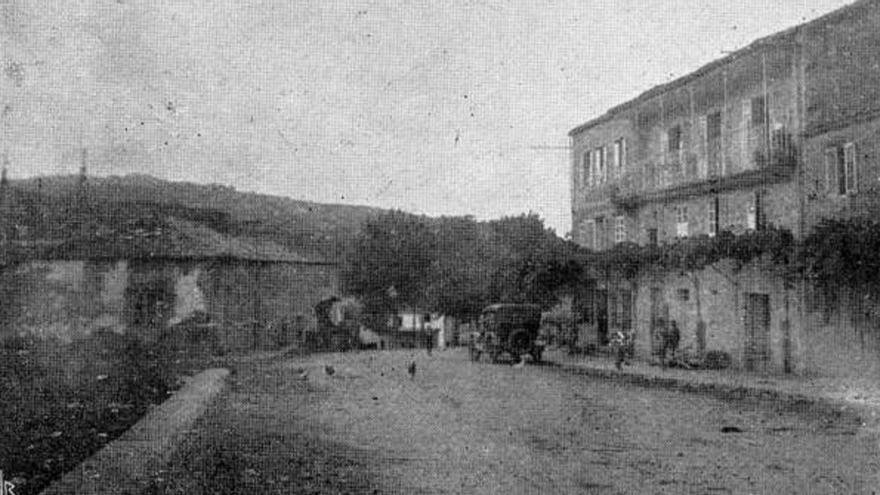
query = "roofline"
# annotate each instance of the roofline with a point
(754, 46)
(171, 257)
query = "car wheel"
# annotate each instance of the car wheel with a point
(520, 342)
(536, 355)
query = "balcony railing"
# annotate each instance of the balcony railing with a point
(664, 178)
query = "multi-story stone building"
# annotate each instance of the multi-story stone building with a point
(784, 132)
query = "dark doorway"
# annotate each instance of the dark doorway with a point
(601, 301)
(657, 313)
(150, 304)
(757, 327)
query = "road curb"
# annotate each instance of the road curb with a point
(123, 464)
(728, 391)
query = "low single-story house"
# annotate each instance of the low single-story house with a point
(163, 276)
(415, 329)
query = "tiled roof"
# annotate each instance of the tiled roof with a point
(168, 238)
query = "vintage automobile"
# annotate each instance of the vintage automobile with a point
(508, 328)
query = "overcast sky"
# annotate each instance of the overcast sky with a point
(452, 107)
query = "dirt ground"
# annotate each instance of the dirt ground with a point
(461, 427)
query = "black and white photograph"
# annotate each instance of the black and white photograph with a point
(480, 247)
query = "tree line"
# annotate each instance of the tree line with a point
(456, 265)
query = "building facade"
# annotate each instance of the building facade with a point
(782, 133)
(243, 304)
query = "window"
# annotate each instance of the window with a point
(652, 237)
(683, 294)
(626, 306)
(611, 302)
(599, 234)
(841, 169)
(712, 219)
(619, 156)
(674, 139)
(713, 126)
(599, 164)
(754, 218)
(620, 309)
(831, 167)
(586, 178)
(589, 234)
(681, 225)
(759, 111)
(850, 170)
(619, 229)
(714, 152)
(614, 159)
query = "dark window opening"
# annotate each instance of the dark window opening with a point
(713, 126)
(759, 110)
(674, 139)
(600, 233)
(683, 294)
(756, 213)
(841, 172)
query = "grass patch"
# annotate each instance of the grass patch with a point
(64, 401)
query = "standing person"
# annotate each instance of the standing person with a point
(429, 340)
(621, 345)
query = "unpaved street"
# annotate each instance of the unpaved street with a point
(460, 427)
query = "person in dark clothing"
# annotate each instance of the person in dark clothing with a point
(671, 339)
(621, 343)
(429, 341)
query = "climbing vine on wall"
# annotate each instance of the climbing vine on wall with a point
(837, 253)
(695, 253)
(844, 253)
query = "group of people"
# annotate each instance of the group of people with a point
(667, 331)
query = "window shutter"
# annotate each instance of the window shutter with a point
(841, 172)
(703, 153)
(664, 145)
(617, 157)
(830, 170)
(849, 158)
(744, 136)
(592, 168)
(585, 169)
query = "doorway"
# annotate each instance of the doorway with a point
(757, 338)
(601, 302)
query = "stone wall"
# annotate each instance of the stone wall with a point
(841, 68)
(841, 334)
(244, 304)
(62, 299)
(717, 297)
(821, 192)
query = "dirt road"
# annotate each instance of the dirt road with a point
(460, 427)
